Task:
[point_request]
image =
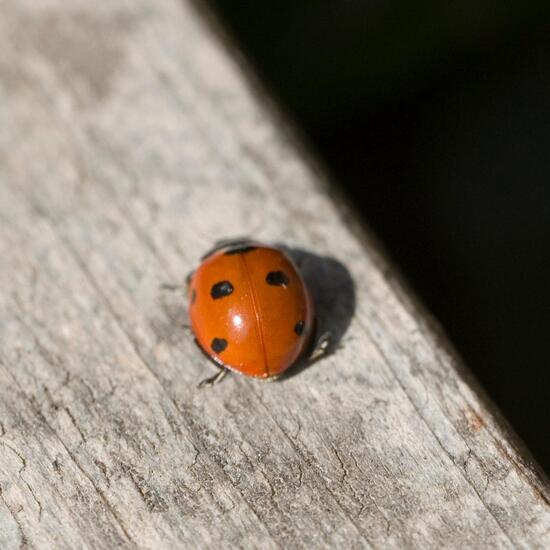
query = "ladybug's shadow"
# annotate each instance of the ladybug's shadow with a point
(333, 291)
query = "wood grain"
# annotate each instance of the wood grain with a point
(130, 141)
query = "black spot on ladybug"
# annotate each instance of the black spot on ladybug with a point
(277, 278)
(299, 327)
(193, 296)
(221, 289)
(218, 344)
(240, 250)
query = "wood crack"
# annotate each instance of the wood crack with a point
(20, 474)
(436, 438)
(24, 545)
(71, 455)
(300, 454)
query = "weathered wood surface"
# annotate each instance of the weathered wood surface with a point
(129, 142)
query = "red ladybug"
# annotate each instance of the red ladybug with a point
(251, 312)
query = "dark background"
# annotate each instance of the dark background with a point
(436, 120)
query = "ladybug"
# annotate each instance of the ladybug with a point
(251, 311)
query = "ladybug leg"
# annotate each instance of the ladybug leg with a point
(320, 348)
(188, 278)
(168, 286)
(218, 377)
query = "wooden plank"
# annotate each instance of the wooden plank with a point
(129, 142)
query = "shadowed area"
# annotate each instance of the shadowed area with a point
(333, 292)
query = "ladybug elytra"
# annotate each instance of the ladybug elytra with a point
(250, 310)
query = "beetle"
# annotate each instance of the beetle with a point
(251, 311)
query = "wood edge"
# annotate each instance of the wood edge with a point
(327, 182)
